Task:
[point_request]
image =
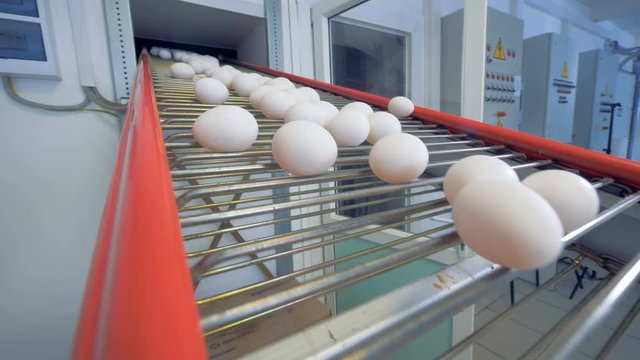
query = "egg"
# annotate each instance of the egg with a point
(210, 91)
(349, 128)
(256, 95)
(182, 71)
(359, 106)
(381, 124)
(309, 94)
(164, 54)
(154, 51)
(275, 104)
(280, 83)
(572, 197)
(297, 95)
(226, 128)
(400, 106)
(304, 148)
(305, 111)
(508, 223)
(474, 168)
(228, 67)
(329, 109)
(197, 65)
(244, 84)
(221, 75)
(398, 158)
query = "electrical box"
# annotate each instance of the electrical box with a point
(597, 77)
(549, 72)
(26, 40)
(503, 69)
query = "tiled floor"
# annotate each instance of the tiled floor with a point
(512, 337)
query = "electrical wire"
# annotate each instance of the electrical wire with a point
(90, 94)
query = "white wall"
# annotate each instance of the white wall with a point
(253, 48)
(56, 168)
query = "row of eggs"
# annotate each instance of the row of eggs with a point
(516, 224)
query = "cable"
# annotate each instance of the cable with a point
(95, 96)
(9, 87)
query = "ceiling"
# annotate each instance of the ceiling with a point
(185, 22)
(623, 13)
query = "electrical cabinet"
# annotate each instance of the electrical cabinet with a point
(503, 69)
(597, 77)
(549, 72)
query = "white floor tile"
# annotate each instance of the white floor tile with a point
(484, 317)
(539, 315)
(509, 340)
(557, 299)
(579, 356)
(626, 348)
(482, 353)
(501, 304)
(634, 329)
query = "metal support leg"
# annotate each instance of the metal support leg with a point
(579, 277)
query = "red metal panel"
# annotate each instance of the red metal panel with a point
(590, 162)
(139, 302)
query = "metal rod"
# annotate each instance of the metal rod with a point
(570, 337)
(619, 332)
(219, 321)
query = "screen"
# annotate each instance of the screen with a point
(19, 7)
(21, 40)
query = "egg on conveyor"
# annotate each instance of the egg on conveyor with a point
(281, 83)
(297, 95)
(400, 106)
(210, 91)
(197, 65)
(572, 197)
(182, 71)
(304, 148)
(222, 75)
(399, 158)
(381, 124)
(154, 51)
(309, 93)
(508, 223)
(244, 84)
(306, 111)
(275, 104)
(329, 109)
(349, 128)
(359, 106)
(164, 54)
(256, 95)
(226, 128)
(473, 168)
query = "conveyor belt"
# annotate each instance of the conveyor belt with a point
(240, 213)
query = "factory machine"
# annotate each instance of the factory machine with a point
(503, 68)
(549, 71)
(169, 195)
(599, 122)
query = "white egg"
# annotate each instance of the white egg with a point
(164, 54)
(329, 109)
(399, 158)
(197, 65)
(305, 111)
(228, 67)
(298, 96)
(244, 84)
(381, 124)
(275, 104)
(349, 128)
(400, 106)
(210, 91)
(572, 197)
(263, 80)
(359, 106)
(309, 93)
(182, 71)
(222, 75)
(474, 168)
(226, 128)
(508, 223)
(304, 148)
(154, 51)
(256, 95)
(280, 83)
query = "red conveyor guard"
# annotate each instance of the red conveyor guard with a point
(139, 302)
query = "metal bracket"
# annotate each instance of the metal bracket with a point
(121, 47)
